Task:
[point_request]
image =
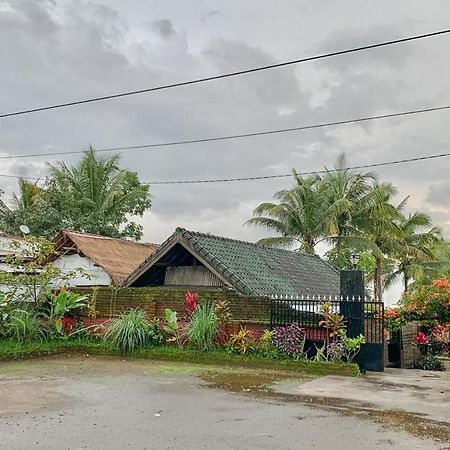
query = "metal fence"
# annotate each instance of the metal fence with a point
(360, 316)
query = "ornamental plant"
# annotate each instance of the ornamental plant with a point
(393, 319)
(290, 340)
(241, 342)
(428, 302)
(190, 302)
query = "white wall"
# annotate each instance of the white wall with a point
(98, 277)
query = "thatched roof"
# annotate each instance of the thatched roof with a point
(117, 257)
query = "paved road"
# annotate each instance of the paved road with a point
(104, 403)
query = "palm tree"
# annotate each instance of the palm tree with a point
(299, 217)
(347, 189)
(415, 251)
(23, 207)
(374, 226)
(98, 195)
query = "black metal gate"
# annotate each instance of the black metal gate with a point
(361, 317)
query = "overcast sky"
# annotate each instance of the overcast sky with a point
(56, 51)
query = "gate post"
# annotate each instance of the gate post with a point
(371, 355)
(352, 301)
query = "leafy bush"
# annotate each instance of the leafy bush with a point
(266, 347)
(428, 302)
(290, 340)
(430, 362)
(23, 326)
(130, 331)
(157, 334)
(351, 346)
(202, 329)
(332, 320)
(241, 342)
(222, 311)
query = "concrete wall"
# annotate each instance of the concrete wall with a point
(96, 276)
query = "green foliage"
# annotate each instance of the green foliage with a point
(352, 210)
(202, 329)
(430, 362)
(352, 346)
(22, 325)
(94, 196)
(428, 301)
(339, 258)
(157, 334)
(171, 322)
(30, 278)
(130, 331)
(62, 304)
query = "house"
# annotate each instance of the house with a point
(103, 260)
(11, 246)
(189, 259)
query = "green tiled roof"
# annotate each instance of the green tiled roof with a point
(254, 269)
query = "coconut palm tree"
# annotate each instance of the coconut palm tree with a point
(96, 195)
(299, 217)
(374, 227)
(415, 252)
(24, 205)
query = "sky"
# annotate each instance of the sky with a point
(57, 51)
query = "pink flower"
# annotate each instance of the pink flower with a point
(421, 338)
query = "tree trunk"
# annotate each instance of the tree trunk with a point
(377, 286)
(405, 283)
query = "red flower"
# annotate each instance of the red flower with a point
(440, 283)
(421, 338)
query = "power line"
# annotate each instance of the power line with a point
(267, 177)
(226, 75)
(239, 136)
(286, 175)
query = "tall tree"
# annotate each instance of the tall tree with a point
(299, 217)
(375, 227)
(94, 196)
(415, 251)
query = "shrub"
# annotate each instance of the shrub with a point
(290, 340)
(241, 342)
(130, 331)
(202, 329)
(351, 346)
(157, 334)
(430, 362)
(23, 326)
(266, 348)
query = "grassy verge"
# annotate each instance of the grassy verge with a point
(13, 350)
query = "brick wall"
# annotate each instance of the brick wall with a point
(410, 352)
(110, 302)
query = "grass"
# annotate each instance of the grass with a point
(13, 350)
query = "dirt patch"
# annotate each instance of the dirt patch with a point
(30, 395)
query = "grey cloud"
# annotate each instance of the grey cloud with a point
(164, 28)
(93, 50)
(439, 194)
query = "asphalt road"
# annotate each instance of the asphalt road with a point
(104, 403)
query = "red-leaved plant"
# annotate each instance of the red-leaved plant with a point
(190, 302)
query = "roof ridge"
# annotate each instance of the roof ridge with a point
(199, 233)
(99, 236)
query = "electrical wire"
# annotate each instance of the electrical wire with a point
(237, 136)
(267, 177)
(226, 75)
